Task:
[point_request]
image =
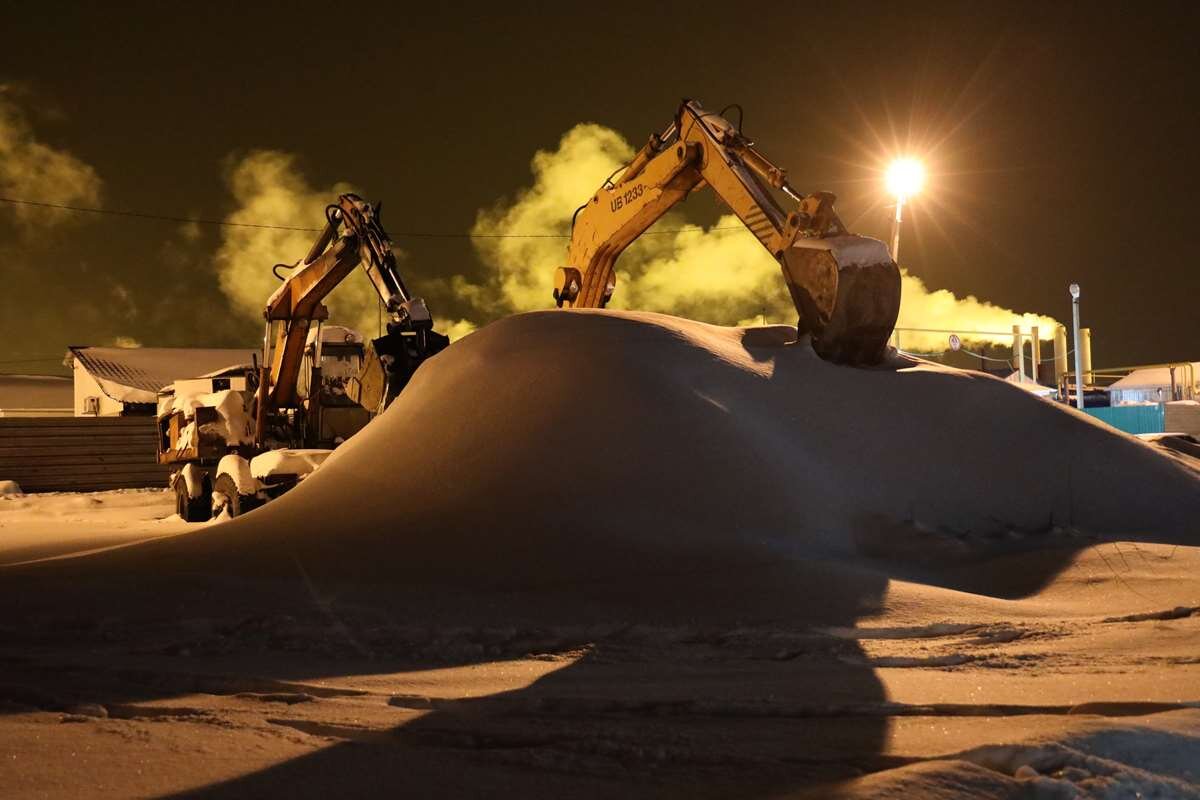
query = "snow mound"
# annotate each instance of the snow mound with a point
(586, 437)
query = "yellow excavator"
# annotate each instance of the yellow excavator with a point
(846, 288)
(238, 438)
(353, 236)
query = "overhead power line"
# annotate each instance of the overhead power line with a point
(144, 215)
(1008, 361)
(228, 224)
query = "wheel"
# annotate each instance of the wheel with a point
(235, 504)
(192, 509)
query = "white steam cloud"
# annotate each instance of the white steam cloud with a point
(943, 310)
(33, 170)
(561, 181)
(721, 275)
(270, 189)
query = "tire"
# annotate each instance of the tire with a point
(238, 503)
(190, 509)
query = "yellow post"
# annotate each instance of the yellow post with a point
(1085, 339)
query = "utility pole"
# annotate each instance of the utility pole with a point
(905, 177)
(1074, 289)
(896, 229)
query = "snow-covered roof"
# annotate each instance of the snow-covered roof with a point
(1029, 384)
(1154, 377)
(135, 374)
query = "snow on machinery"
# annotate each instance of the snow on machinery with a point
(846, 288)
(245, 435)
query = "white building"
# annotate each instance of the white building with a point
(111, 381)
(1154, 385)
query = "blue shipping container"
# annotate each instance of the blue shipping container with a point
(1132, 419)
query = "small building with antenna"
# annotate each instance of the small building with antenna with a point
(124, 381)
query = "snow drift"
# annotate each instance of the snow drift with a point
(593, 437)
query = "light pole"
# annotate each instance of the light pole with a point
(905, 177)
(1074, 289)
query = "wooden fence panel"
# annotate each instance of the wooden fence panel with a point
(80, 454)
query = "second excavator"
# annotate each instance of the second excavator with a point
(846, 288)
(241, 437)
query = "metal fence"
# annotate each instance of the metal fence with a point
(79, 454)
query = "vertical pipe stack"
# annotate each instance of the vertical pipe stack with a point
(1035, 346)
(1060, 353)
(1019, 352)
(1078, 349)
(1085, 335)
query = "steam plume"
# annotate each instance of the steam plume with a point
(270, 189)
(31, 169)
(562, 179)
(943, 310)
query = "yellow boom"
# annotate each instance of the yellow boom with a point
(846, 288)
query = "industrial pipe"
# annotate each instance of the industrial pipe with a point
(1085, 336)
(1060, 354)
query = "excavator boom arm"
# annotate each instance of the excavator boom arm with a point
(352, 236)
(822, 264)
(296, 305)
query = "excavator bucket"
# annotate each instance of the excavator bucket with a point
(847, 291)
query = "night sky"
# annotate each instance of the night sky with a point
(1062, 142)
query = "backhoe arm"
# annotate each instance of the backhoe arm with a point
(298, 301)
(845, 288)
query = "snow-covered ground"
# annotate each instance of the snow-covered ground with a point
(58, 523)
(599, 554)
